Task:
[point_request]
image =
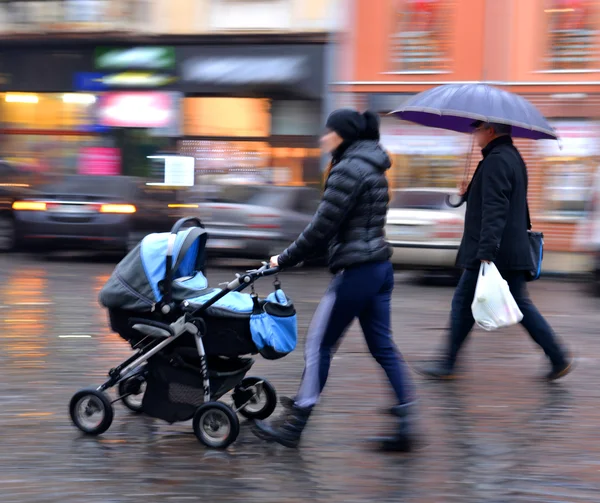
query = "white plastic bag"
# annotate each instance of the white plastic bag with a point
(494, 306)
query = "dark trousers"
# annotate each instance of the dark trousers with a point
(461, 317)
(362, 292)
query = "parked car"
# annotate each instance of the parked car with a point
(424, 230)
(256, 221)
(16, 182)
(97, 212)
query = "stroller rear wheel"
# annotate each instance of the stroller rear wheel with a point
(132, 392)
(91, 411)
(255, 398)
(216, 425)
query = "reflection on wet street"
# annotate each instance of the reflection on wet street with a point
(495, 435)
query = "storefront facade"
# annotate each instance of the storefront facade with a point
(255, 110)
(90, 109)
(543, 49)
(252, 106)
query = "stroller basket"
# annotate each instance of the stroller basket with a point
(175, 387)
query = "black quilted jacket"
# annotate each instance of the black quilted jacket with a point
(351, 217)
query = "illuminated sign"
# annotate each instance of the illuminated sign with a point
(99, 161)
(138, 109)
(100, 81)
(147, 58)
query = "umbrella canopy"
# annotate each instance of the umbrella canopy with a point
(456, 106)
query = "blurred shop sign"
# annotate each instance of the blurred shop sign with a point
(93, 81)
(139, 58)
(294, 69)
(246, 70)
(151, 109)
(99, 161)
(577, 139)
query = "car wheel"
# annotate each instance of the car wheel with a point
(8, 234)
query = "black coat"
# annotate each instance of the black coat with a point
(496, 221)
(351, 217)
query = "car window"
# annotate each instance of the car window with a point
(271, 198)
(235, 194)
(420, 200)
(103, 186)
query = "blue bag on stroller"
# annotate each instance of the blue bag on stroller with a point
(273, 325)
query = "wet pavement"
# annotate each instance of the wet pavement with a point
(495, 435)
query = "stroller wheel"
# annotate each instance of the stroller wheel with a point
(132, 390)
(255, 398)
(91, 411)
(216, 425)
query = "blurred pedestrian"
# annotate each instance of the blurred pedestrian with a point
(496, 225)
(350, 220)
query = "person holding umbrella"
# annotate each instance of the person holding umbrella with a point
(497, 215)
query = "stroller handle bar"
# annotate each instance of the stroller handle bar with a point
(251, 276)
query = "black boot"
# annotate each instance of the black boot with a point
(405, 439)
(286, 432)
(440, 369)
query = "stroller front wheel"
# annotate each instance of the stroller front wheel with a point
(91, 411)
(255, 398)
(216, 425)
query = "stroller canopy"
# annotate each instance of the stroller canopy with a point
(137, 282)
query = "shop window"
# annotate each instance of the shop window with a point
(291, 117)
(424, 157)
(568, 171)
(67, 15)
(572, 27)
(227, 117)
(567, 187)
(46, 111)
(421, 37)
(47, 153)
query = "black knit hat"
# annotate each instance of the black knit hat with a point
(348, 123)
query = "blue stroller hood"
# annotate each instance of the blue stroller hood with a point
(137, 282)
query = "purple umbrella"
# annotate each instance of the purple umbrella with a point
(457, 106)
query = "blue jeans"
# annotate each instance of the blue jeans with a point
(461, 318)
(362, 292)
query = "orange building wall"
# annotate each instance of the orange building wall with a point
(374, 23)
(494, 40)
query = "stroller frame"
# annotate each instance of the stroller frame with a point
(162, 335)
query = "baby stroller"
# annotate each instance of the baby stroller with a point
(191, 341)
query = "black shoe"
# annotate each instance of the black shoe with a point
(405, 439)
(437, 370)
(559, 371)
(286, 432)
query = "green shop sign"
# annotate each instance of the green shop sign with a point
(147, 58)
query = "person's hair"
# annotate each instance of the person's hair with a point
(371, 129)
(500, 129)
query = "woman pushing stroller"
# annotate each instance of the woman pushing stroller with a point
(350, 221)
